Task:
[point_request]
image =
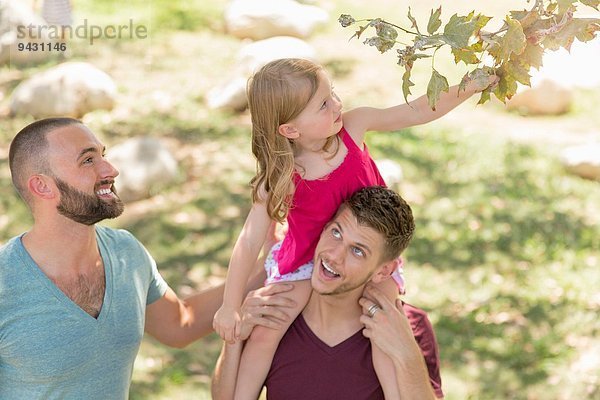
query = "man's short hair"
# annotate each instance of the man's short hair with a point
(385, 211)
(27, 154)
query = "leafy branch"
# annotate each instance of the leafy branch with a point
(509, 53)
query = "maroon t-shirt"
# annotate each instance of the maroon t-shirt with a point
(425, 337)
(304, 367)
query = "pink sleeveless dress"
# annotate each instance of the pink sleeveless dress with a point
(316, 201)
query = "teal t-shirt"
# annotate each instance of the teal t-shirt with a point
(52, 349)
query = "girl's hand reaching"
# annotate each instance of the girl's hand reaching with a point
(226, 323)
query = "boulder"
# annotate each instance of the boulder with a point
(69, 89)
(582, 160)
(145, 166)
(391, 172)
(547, 97)
(232, 93)
(260, 19)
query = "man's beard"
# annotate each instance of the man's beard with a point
(345, 288)
(85, 208)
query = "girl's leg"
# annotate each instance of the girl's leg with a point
(384, 367)
(261, 346)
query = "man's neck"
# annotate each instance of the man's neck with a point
(334, 318)
(62, 247)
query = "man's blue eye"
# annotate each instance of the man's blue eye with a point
(357, 251)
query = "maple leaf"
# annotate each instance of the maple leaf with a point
(519, 71)
(591, 3)
(526, 18)
(386, 31)
(406, 83)
(458, 31)
(466, 55)
(507, 86)
(485, 96)
(565, 6)
(437, 84)
(480, 21)
(513, 40)
(532, 55)
(584, 29)
(434, 21)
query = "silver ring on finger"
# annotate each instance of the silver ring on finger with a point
(372, 310)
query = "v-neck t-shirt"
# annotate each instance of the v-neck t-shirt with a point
(305, 367)
(52, 349)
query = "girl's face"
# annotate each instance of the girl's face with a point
(320, 119)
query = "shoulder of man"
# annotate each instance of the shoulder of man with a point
(113, 234)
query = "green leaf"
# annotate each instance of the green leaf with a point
(565, 5)
(519, 72)
(480, 21)
(532, 55)
(406, 84)
(526, 18)
(462, 86)
(458, 31)
(485, 96)
(513, 41)
(434, 21)
(506, 87)
(466, 55)
(591, 3)
(386, 31)
(437, 84)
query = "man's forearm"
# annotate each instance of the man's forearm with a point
(412, 377)
(226, 370)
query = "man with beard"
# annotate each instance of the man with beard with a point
(326, 352)
(75, 298)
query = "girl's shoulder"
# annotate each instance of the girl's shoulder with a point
(356, 123)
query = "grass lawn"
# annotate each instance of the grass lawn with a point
(506, 257)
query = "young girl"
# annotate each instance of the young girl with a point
(311, 157)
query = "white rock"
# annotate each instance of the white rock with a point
(261, 19)
(69, 89)
(145, 166)
(583, 160)
(254, 55)
(546, 97)
(391, 172)
(232, 93)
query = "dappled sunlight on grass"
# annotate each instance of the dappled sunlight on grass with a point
(506, 257)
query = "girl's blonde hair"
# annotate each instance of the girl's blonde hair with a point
(277, 94)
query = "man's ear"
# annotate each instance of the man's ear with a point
(289, 131)
(385, 271)
(39, 186)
